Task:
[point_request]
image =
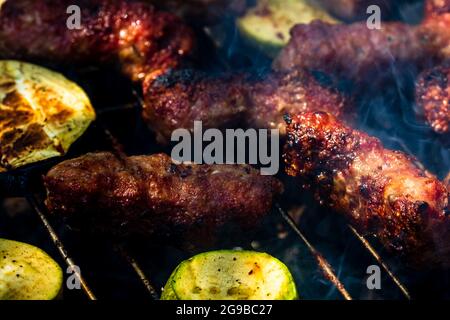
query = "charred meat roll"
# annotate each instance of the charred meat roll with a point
(179, 98)
(131, 34)
(354, 51)
(381, 192)
(433, 97)
(358, 53)
(146, 196)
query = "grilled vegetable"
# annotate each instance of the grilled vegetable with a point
(41, 114)
(231, 275)
(267, 25)
(27, 273)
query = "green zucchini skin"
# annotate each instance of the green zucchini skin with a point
(231, 275)
(28, 273)
(267, 25)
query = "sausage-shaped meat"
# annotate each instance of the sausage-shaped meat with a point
(381, 192)
(354, 51)
(146, 196)
(360, 53)
(140, 40)
(179, 98)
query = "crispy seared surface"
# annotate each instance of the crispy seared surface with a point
(227, 101)
(433, 97)
(436, 7)
(381, 192)
(149, 195)
(142, 41)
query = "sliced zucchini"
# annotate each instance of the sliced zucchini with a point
(27, 273)
(267, 25)
(41, 114)
(231, 275)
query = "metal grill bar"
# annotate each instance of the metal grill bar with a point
(377, 257)
(137, 268)
(323, 264)
(59, 245)
(118, 149)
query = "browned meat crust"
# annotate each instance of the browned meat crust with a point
(363, 55)
(433, 97)
(149, 195)
(381, 192)
(353, 51)
(357, 52)
(436, 7)
(435, 29)
(351, 10)
(142, 41)
(228, 101)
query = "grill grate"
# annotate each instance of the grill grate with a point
(60, 246)
(323, 265)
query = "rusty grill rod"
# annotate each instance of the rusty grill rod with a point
(377, 257)
(59, 245)
(323, 264)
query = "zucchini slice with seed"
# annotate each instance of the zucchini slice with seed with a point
(231, 275)
(267, 25)
(27, 273)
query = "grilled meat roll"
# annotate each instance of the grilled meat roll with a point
(433, 97)
(150, 195)
(179, 98)
(356, 52)
(360, 54)
(142, 41)
(381, 192)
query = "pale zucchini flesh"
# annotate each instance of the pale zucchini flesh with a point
(231, 275)
(268, 24)
(41, 114)
(27, 273)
